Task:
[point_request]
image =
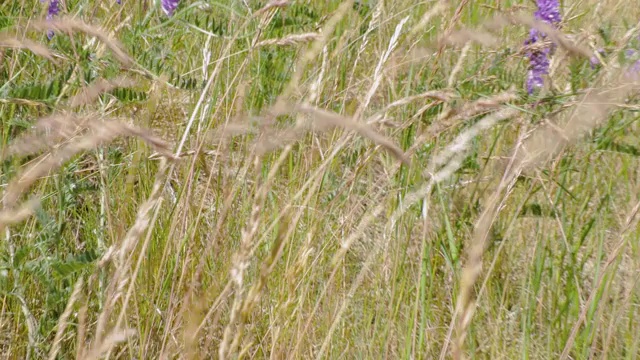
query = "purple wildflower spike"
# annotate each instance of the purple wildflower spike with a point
(539, 67)
(119, 2)
(549, 12)
(53, 10)
(169, 6)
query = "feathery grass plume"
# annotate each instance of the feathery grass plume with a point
(90, 93)
(68, 24)
(15, 215)
(290, 40)
(326, 120)
(549, 12)
(170, 6)
(34, 47)
(97, 133)
(53, 10)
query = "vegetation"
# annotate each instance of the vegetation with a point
(318, 179)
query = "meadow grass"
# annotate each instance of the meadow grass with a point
(317, 179)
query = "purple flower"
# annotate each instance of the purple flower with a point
(53, 10)
(594, 61)
(539, 67)
(549, 12)
(119, 2)
(169, 6)
(634, 70)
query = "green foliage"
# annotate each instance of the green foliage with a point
(212, 23)
(46, 91)
(226, 211)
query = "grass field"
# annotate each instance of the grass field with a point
(318, 179)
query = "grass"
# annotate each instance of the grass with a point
(330, 179)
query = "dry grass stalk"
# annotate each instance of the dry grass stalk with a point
(48, 132)
(114, 338)
(22, 101)
(81, 332)
(273, 4)
(233, 332)
(373, 24)
(218, 68)
(485, 38)
(555, 35)
(236, 322)
(294, 39)
(545, 142)
(62, 321)
(144, 223)
(266, 268)
(32, 325)
(122, 276)
(449, 160)
(366, 267)
(457, 14)
(34, 47)
(327, 120)
(441, 96)
(590, 112)
(286, 238)
(312, 53)
(630, 224)
(100, 133)
(410, 200)
(426, 18)
(378, 72)
(142, 218)
(242, 303)
(462, 141)
(452, 117)
(337, 258)
(90, 93)
(194, 286)
(471, 109)
(316, 87)
(473, 268)
(464, 36)
(230, 343)
(191, 296)
(333, 123)
(69, 25)
(458, 66)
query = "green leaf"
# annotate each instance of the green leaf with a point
(64, 269)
